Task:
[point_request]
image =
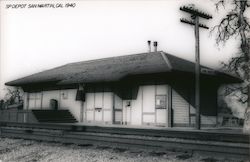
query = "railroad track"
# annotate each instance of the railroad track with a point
(232, 149)
(203, 135)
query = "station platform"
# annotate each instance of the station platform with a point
(205, 134)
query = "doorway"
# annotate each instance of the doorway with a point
(155, 105)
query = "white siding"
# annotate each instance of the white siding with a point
(98, 104)
(104, 102)
(107, 106)
(34, 100)
(193, 116)
(148, 98)
(32, 104)
(108, 100)
(118, 116)
(136, 109)
(118, 109)
(67, 101)
(181, 109)
(148, 104)
(90, 115)
(65, 98)
(161, 114)
(127, 111)
(118, 102)
(143, 108)
(48, 95)
(107, 116)
(98, 100)
(208, 120)
(149, 118)
(90, 104)
(25, 99)
(90, 101)
(161, 89)
(181, 112)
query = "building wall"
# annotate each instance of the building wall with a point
(106, 107)
(67, 101)
(136, 109)
(118, 109)
(184, 113)
(150, 113)
(25, 99)
(65, 98)
(48, 95)
(130, 112)
(98, 107)
(180, 109)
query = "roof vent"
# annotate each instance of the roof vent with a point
(155, 46)
(149, 46)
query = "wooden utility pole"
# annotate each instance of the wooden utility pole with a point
(195, 15)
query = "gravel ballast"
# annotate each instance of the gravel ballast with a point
(19, 150)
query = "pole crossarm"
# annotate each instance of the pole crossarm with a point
(195, 15)
(193, 23)
(195, 12)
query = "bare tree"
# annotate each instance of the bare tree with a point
(13, 96)
(236, 24)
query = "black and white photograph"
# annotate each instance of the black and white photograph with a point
(124, 81)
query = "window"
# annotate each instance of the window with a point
(160, 101)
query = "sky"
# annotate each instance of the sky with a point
(37, 39)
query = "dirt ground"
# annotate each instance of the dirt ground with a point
(19, 150)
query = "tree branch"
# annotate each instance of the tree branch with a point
(227, 28)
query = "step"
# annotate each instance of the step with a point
(54, 116)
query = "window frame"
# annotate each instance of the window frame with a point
(165, 102)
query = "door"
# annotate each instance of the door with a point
(98, 106)
(107, 107)
(148, 105)
(155, 105)
(127, 105)
(161, 109)
(90, 104)
(118, 114)
(161, 105)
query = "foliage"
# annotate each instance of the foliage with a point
(13, 96)
(236, 24)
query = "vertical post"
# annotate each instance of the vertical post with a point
(81, 111)
(195, 14)
(197, 72)
(82, 103)
(113, 110)
(170, 116)
(42, 99)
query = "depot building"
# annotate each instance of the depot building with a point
(147, 89)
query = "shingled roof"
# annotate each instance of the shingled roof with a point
(111, 69)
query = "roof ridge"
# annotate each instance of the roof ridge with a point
(107, 58)
(165, 58)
